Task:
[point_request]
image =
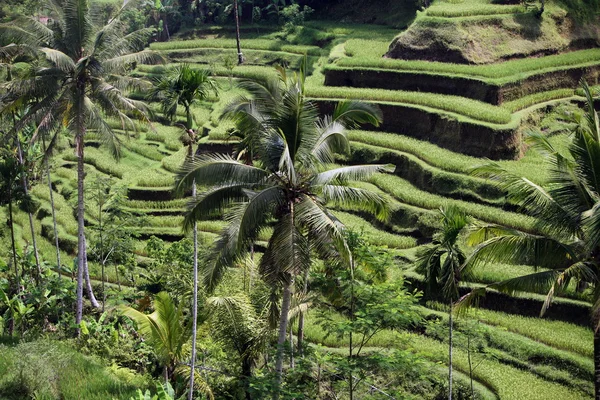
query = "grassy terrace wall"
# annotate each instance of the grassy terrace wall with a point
(471, 138)
(474, 88)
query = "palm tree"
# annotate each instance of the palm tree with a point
(441, 262)
(290, 184)
(78, 86)
(183, 86)
(164, 331)
(236, 323)
(567, 210)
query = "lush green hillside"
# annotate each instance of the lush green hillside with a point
(442, 118)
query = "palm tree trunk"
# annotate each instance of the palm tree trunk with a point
(292, 365)
(26, 191)
(450, 355)
(470, 365)
(88, 281)
(237, 32)
(283, 322)
(53, 209)
(102, 259)
(12, 238)
(596, 361)
(195, 301)
(301, 318)
(351, 377)
(80, 224)
(247, 374)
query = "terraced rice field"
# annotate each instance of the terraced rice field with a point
(431, 172)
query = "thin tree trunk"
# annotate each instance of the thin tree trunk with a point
(450, 355)
(301, 318)
(58, 264)
(88, 281)
(26, 191)
(351, 377)
(292, 365)
(102, 259)
(80, 224)
(470, 366)
(237, 32)
(247, 374)
(195, 301)
(596, 361)
(283, 322)
(12, 238)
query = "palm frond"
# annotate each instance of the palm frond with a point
(356, 198)
(516, 247)
(288, 252)
(353, 113)
(210, 169)
(332, 139)
(59, 59)
(350, 173)
(121, 64)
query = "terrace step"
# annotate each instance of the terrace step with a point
(477, 88)
(444, 129)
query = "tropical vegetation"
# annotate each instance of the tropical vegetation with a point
(236, 199)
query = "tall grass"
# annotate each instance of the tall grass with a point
(374, 235)
(530, 166)
(51, 370)
(407, 193)
(471, 9)
(474, 109)
(558, 334)
(365, 53)
(254, 44)
(537, 98)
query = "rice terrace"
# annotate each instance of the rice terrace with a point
(300, 199)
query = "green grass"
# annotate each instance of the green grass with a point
(255, 72)
(453, 9)
(368, 54)
(52, 370)
(530, 166)
(404, 192)
(373, 235)
(460, 105)
(508, 382)
(557, 334)
(427, 177)
(537, 98)
(254, 44)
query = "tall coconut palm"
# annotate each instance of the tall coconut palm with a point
(567, 211)
(290, 184)
(441, 262)
(185, 86)
(78, 85)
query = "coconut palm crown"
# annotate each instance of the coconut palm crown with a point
(286, 188)
(290, 182)
(566, 240)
